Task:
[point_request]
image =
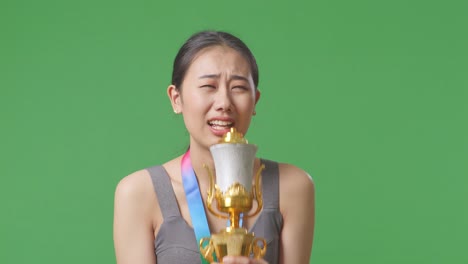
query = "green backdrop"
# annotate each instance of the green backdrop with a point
(369, 97)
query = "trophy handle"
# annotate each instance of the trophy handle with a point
(259, 252)
(206, 251)
(211, 194)
(257, 189)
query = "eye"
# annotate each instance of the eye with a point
(208, 86)
(240, 87)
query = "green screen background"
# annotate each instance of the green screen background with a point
(369, 97)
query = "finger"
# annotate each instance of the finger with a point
(258, 261)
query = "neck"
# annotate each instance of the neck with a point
(201, 156)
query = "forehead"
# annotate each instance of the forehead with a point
(219, 60)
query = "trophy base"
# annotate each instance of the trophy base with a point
(233, 242)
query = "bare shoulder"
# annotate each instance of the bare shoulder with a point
(296, 188)
(134, 186)
(135, 195)
(297, 206)
(295, 178)
(134, 219)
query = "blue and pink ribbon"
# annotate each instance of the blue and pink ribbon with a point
(194, 201)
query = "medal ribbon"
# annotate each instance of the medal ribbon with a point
(194, 201)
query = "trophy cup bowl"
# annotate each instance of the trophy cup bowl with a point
(234, 194)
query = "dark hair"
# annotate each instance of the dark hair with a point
(205, 39)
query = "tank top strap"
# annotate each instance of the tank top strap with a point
(270, 184)
(164, 191)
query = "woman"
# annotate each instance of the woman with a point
(214, 88)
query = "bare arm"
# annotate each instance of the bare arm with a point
(133, 228)
(297, 203)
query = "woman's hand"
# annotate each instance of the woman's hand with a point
(242, 260)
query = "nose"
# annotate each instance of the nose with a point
(223, 100)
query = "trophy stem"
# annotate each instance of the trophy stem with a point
(234, 219)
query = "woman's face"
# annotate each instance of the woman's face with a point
(217, 93)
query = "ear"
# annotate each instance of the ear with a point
(257, 96)
(175, 98)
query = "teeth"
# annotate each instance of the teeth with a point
(222, 128)
(220, 123)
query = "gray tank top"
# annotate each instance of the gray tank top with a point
(175, 242)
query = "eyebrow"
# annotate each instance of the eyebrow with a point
(216, 76)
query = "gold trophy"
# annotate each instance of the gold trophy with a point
(234, 194)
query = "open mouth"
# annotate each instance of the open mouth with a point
(220, 125)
